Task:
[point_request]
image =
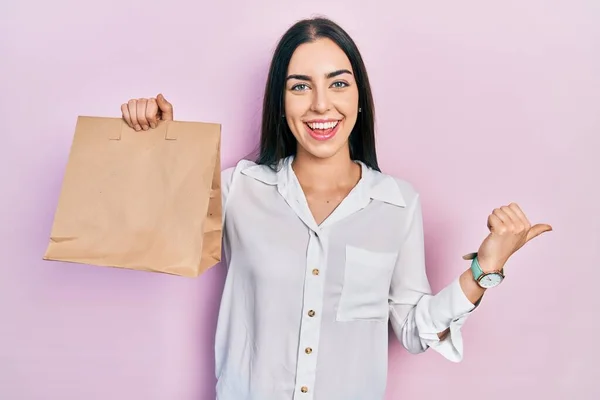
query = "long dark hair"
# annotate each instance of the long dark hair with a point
(276, 140)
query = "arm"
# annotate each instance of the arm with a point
(420, 319)
(472, 291)
(509, 231)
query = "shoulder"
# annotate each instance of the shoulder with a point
(232, 177)
(229, 173)
(410, 212)
(392, 189)
(406, 187)
(248, 168)
(409, 192)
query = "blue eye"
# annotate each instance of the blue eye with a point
(339, 84)
(298, 86)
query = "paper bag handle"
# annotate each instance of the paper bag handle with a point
(170, 134)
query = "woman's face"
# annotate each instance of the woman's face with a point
(321, 98)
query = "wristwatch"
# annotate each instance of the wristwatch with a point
(486, 280)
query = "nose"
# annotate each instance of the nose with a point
(320, 102)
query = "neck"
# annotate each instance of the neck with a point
(336, 171)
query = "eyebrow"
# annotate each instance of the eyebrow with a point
(328, 76)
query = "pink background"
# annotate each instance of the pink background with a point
(478, 105)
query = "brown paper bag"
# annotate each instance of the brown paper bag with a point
(148, 200)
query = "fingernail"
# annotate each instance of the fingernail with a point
(145, 127)
(138, 128)
(152, 125)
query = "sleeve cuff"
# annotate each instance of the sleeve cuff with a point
(449, 304)
(447, 309)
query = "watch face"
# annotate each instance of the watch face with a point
(490, 280)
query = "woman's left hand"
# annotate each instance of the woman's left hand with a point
(509, 231)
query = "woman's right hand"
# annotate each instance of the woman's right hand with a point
(142, 114)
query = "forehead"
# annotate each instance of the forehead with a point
(318, 58)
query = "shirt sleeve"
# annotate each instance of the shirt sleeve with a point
(226, 181)
(415, 314)
(228, 176)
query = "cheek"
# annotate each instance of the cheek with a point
(294, 109)
(348, 104)
(295, 106)
(349, 108)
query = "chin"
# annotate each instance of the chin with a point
(324, 150)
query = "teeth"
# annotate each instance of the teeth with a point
(321, 125)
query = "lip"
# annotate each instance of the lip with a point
(327, 136)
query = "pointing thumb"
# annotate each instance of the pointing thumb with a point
(537, 230)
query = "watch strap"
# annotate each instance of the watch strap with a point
(476, 268)
(477, 271)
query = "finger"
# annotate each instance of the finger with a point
(132, 107)
(501, 215)
(126, 116)
(537, 230)
(152, 112)
(520, 214)
(165, 107)
(515, 221)
(141, 113)
(495, 224)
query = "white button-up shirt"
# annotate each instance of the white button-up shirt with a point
(305, 308)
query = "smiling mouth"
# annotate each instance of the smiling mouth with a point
(321, 126)
(322, 130)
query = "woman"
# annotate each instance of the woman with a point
(322, 248)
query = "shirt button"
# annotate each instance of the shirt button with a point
(308, 350)
(315, 271)
(304, 389)
(311, 313)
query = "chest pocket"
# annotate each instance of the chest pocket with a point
(366, 284)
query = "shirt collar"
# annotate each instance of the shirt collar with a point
(373, 184)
